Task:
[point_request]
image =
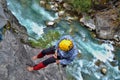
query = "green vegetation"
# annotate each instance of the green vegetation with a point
(6, 27)
(81, 5)
(86, 5)
(46, 39)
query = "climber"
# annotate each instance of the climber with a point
(63, 52)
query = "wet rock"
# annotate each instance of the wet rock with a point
(61, 13)
(50, 23)
(103, 70)
(67, 6)
(114, 63)
(54, 7)
(42, 2)
(50, 6)
(79, 54)
(98, 63)
(70, 18)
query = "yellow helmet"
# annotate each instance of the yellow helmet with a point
(66, 45)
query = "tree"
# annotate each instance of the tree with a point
(81, 5)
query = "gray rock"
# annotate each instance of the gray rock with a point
(67, 6)
(103, 70)
(50, 23)
(107, 23)
(88, 22)
(3, 19)
(15, 57)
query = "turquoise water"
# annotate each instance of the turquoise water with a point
(31, 15)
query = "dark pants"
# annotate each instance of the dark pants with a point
(49, 51)
(50, 60)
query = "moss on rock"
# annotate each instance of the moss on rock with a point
(46, 39)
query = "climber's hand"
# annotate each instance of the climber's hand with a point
(55, 55)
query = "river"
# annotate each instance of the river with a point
(31, 15)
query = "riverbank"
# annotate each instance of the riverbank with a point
(103, 22)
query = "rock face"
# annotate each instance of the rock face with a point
(107, 22)
(13, 59)
(3, 20)
(16, 56)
